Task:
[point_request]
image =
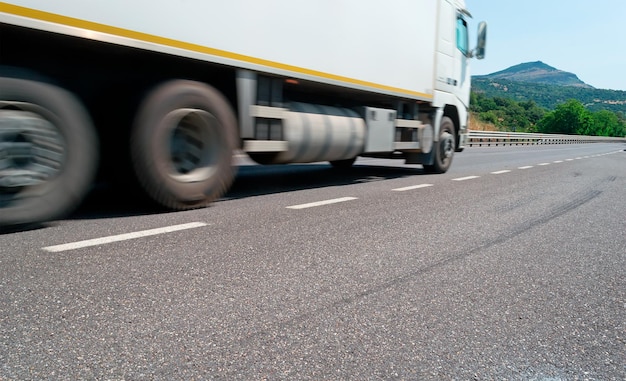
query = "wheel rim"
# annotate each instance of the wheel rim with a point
(32, 149)
(447, 142)
(193, 144)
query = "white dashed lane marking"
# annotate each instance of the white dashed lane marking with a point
(320, 203)
(466, 178)
(501, 172)
(412, 187)
(122, 237)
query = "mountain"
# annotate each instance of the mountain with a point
(547, 87)
(537, 72)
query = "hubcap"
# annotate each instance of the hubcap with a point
(447, 142)
(31, 149)
(193, 144)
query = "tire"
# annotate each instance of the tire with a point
(343, 164)
(50, 155)
(182, 144)
(443, 149)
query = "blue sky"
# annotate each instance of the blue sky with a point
(587, 38)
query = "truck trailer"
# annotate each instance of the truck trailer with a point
(165, 92)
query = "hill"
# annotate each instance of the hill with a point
(548, 87)
(537, 72)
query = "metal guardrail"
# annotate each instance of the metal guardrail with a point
(496, 138)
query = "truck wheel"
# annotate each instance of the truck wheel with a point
(48, 152)
(182, 144)
(443, 149)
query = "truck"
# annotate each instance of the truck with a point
(164, 93)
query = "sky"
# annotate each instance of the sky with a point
(587, 38)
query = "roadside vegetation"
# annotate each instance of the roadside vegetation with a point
(570, 117)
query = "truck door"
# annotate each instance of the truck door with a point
(452, 53)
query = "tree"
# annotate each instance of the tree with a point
(505, 113)
(570, 117)
(606, 123)
(622, 121)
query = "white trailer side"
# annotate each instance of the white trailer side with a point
(385, 47)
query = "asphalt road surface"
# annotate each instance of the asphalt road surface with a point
(511, 266)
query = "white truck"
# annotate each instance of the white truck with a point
(167, 91)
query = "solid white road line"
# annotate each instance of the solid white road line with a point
(412, 187)
(122, 237)
(501, 172)
(466, 178)
(320, 203)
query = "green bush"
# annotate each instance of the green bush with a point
(571, 117)
(505, 113)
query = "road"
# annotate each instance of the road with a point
(509, 266)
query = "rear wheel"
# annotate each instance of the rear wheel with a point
(48, 152)
(443, 149)
(182, 144)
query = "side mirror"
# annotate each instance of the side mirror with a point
(481, 44)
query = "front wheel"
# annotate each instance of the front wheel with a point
(443, 149)
(182, 144)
